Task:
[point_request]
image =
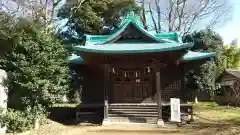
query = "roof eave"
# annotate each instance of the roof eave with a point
(207, 56)
(88, 50)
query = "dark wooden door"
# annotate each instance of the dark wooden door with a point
(137, 92)
(131, 85)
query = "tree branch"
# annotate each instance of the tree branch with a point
(154, 21)
(157, 3)
(143, 17)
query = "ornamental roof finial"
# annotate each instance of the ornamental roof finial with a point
(131, 12)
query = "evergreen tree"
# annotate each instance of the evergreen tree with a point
(231, 55)
(91, 17)
(36, 65)
(204, 75)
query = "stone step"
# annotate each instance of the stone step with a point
(135, 113)
(131, 112)
(134, 109)
(150, 120)
(146, 105)
(132, 115)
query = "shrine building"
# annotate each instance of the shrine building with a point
(132, 73)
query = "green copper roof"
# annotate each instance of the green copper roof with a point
(187, 57)
(170, 37)
(198, 55)
(104, 44)
(166, 37)
(131, 17)
(95, 39)
(132, 48)
(76, 59)
(125, 26)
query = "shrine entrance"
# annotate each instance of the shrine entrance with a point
(132, 85)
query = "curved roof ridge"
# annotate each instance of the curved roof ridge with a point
(169, 37)
(137, 25)
(132, 17)
(93, 39)
(174, 36)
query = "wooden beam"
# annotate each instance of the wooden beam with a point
(157, 68)
(159, 99)
(106, 80)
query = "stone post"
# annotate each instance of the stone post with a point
(3, 97)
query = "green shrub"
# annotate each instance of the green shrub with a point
(16, 121)
(19, 121)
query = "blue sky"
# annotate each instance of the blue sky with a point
(231, 30)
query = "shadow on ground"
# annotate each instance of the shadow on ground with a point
(67, 116)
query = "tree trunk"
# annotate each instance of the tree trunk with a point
(170, 15)
(154, 21)
(143, 16)
(157, 2)
(196, 97)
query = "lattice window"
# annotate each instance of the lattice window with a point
(172, 90)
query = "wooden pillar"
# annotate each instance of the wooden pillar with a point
(158, 66)
(106, 81)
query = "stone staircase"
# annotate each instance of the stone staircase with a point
(133, 113)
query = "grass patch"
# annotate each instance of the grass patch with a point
(206, 104)
(215, 113)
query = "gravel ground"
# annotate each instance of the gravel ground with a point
(135, 130)
(192, 129)
(208, 121)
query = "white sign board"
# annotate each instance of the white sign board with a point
(175, 110)
(3, 97)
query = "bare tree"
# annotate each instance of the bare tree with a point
(9, 7)
(153, 18)
(186, 15)
(143, 16)
(44, 10)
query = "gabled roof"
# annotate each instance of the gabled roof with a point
(104, 44)
(233, 72)
(171, 37)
